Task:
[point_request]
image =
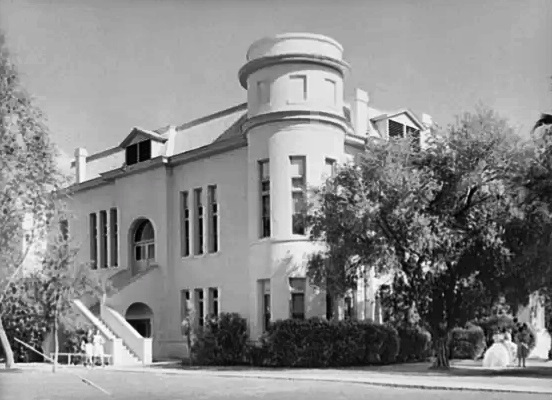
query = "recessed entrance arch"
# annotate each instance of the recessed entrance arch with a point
(140, 317)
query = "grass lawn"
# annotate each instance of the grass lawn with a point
(33, 384)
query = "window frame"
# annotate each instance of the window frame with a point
(143, 151)
(185, 223)
(104, 239)
(298, 192)
(114, 236)
(213, 245)
(265, 224)
(304, 79)
(93, 232)
(199, 231)
(298, 292)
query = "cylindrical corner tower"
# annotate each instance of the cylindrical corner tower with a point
(295, 131)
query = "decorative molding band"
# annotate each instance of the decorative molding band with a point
(296, 116)
(301, 58)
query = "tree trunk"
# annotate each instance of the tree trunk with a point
(441, 353)
(189, 343)
(56, 344)
(6, 346)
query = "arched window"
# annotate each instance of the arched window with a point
(144, 241)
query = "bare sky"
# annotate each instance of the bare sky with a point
(98, 67)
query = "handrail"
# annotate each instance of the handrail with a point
(135, 342)
(88, 314)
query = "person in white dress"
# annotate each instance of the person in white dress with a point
(512, 347)
(98, 347)
(88, 349)
(498, 355)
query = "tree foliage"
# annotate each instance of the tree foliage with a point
(451, 222)
(28, 176)
(62, 280)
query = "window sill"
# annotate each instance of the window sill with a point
(200, 256)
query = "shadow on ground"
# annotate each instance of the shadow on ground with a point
(535, 369)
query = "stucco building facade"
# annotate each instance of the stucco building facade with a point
(206, 216)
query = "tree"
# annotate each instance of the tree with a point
(62, 280)
(436, 219)
(23, 319)
(28, 175)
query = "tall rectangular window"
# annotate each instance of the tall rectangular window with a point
(298, 194)
(200, 303)
(93, 222)
(349, 307)
(265, 306)
(114, 237)
(198, 237)
(297, 287)
(329, 168)
(184, 224)
(264, 178)
(103, 239)
(213, 219)
(185, 306)
(213, 302)
(64, 229)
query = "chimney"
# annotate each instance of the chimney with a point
(359, 112)
(80, 164)
(427, 120)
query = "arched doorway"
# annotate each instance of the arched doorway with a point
(142, 244)
(140, 316)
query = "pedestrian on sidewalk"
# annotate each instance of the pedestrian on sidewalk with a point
(523, 345)
(88, 350)
(98, 347)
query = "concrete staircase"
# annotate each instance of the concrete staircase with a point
(128, 357)
(124, 347)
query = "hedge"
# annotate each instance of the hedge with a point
(415, 344)
(222, 341)
(319, 343)
(467, 343)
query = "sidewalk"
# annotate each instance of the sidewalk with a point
(464, 375)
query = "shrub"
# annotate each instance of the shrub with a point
(319, 343)
(223, 341)
(415, 344)
(23, 320)
(467, 343)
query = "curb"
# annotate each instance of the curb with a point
(339, 380)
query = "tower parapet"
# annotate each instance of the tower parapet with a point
(294, 76)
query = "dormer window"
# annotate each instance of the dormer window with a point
(138, 152)
(398, 130)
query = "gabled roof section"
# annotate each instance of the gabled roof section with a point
(415, 120)
(136, 131)
(217, 127)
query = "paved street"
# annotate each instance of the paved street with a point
(42, 385)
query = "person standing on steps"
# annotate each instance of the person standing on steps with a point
(88, 350)
(98, 347)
